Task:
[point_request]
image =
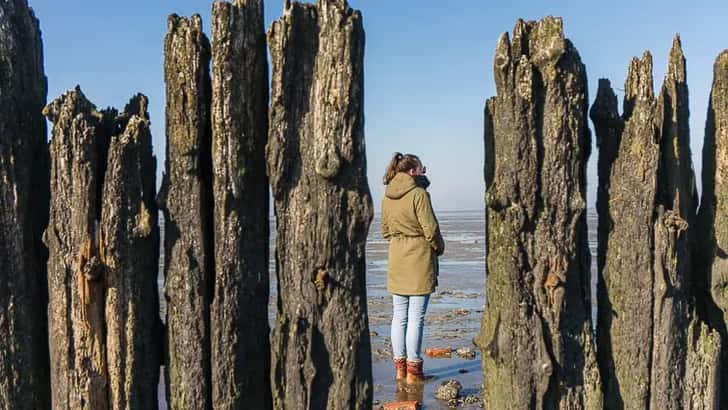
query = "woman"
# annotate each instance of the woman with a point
(415, 242)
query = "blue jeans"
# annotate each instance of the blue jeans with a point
(408, 320)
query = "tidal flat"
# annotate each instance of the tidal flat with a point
(453, 315)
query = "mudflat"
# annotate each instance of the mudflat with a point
(452, 320)
(453, 316)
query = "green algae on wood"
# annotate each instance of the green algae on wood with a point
(317, 167)
(536, 334)
(646, 204)
(711, 265)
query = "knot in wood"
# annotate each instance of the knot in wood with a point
(552, 281)
(555, 279)
(92, 269)
(328, 164)
(89, 269)
(557, 271)
(524, 79)
(674, 222)
(491, 349)
(321, 279)
(142, 222)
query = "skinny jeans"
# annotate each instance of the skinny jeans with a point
(408, 321)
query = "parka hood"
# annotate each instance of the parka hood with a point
(400, 185)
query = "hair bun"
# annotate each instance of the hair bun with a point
(398, 156)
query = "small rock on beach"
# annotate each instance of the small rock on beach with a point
(449, 390)
(437, 352)
(466, 353)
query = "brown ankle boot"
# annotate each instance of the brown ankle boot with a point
(400, 368)
(415, 373)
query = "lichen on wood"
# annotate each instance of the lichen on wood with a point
(25, 374)
(536, 335)
(130, 241)
(239, 312)
(103, 254)
(711, 260)
(650, 334)
(317, 167)
(629, 157)
(186, 199)
(76, 324)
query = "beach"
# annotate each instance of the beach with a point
(453, 315)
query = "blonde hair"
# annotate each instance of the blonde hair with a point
(400, 163)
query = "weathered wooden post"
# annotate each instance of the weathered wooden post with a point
(129, 251)
(536, 335)
(76, 298)
(240, 330)
(186, 197)
(24, 378)
(317, 166)
(711, 261)
(651, 343)
(103, 254)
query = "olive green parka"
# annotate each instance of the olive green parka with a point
(415, 242)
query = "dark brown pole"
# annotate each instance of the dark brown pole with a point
(76, 294)
(317, 166)
(24, 362)
(240, 330)
(654, 349)
(536, 335)
(186, 197)
(711, 276)
(130, 254)
(103, 240)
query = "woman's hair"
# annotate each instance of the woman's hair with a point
(400, 163)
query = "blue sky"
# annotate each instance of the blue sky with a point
(428, 67)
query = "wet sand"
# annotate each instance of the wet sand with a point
(453, 315)
(455, 310)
